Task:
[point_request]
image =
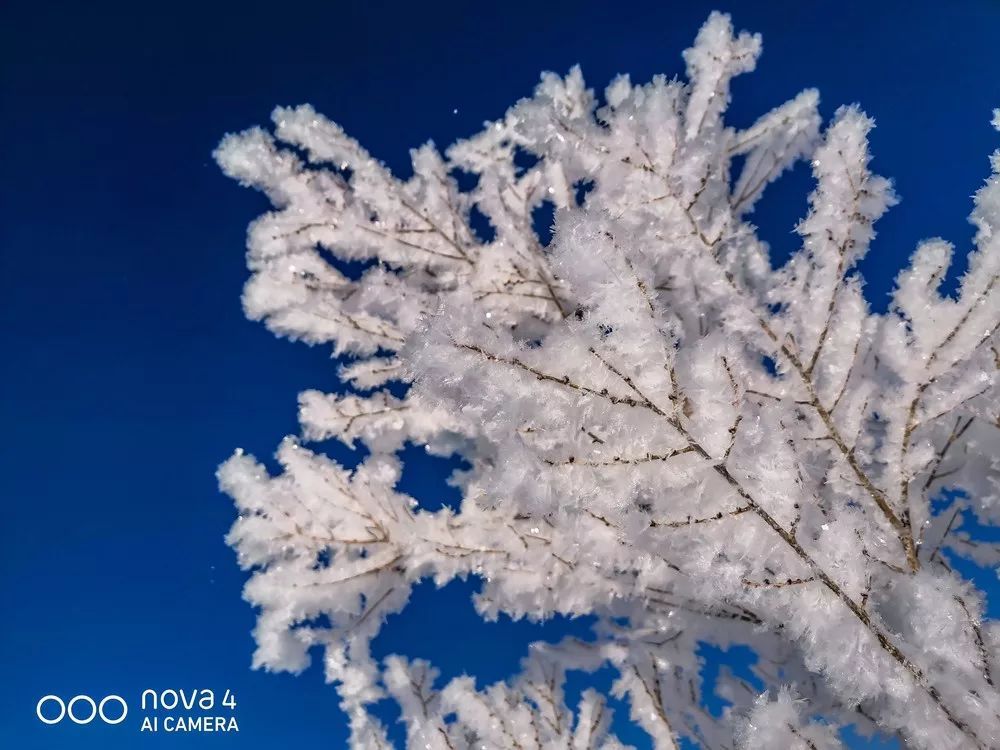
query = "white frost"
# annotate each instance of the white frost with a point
(662, 430)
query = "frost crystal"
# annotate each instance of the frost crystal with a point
(661, 429)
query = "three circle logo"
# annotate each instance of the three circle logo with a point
(80, 714)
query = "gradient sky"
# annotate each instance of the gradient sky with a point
(129, 371)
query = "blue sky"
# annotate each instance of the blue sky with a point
(129, 372)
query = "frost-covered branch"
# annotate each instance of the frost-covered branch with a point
(661, 429)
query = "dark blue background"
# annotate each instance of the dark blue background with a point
(129, 372)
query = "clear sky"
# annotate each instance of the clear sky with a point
(128, 370)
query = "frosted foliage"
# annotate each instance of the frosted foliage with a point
(661, 430)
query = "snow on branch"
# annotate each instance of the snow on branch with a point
(661, 430)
